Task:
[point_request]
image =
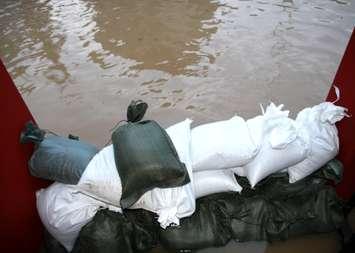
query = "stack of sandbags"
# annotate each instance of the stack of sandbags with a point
(299, 146)
(102, 180)
(216, 148)
(61, 207)
(273, 210)
(165, 171)
(280, 144)
(64, 211)
(318, 122)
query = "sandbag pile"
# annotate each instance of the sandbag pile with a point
(184, 180)
(273, 210)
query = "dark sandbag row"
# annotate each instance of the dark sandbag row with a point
(273, 211)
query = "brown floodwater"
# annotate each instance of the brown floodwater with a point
(78, 63)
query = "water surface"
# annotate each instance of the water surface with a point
(78, 63)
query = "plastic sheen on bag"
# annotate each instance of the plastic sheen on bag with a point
(319, 122)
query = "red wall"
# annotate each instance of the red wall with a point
(345, 80)
(21, 229)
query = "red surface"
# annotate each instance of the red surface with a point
(345, 80)
(21, 229)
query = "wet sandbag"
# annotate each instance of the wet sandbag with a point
(145, 158)
(61, 159)
(205, 228)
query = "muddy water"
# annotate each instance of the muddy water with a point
(78, 63)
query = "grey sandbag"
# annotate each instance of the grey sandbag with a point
(145, 158)
(61, 159)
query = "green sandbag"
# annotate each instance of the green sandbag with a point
(145, 158)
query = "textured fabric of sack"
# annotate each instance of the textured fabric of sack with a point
(145, 158)
(273, 210)
(109, 232)
(61, 159)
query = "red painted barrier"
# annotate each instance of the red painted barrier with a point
(21, 229)
(345, 80)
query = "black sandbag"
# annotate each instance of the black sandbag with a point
(207, 227)
(136, 231)
(326, 214)
(61, 159)
(145, 229)
(276, 209)
(273, 210)
(51, 245)
(145, 158)
(107, 232)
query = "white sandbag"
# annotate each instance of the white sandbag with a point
(281, 144)
(239, 171)
(319, 122)
(172, 204)
(221, 145)
(215, 181)
(100, 179)
(64, 211)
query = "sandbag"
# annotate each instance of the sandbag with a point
(107, 232)
(221, 145)
(145, 158)
(113, 232)
(171, 204)
(61, 159)
(214, 181)
(207, 227)
(64, 211)
(50, 244)
(273, 210)
(319, 122)
(100, 179)
(281, 144)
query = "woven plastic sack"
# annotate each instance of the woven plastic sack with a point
(215, 181)
(100, 179)
(64, 211)
(280, 144)
(61, 159)
(221, 145)
(319, 123)
(172, 204)
(145, 158)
